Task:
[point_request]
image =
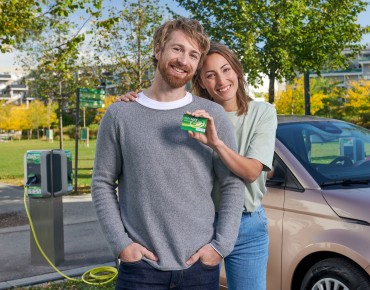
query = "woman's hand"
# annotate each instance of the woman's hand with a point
(128, 97)
(210, 137)
(246, 168)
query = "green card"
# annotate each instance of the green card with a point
(194, 124)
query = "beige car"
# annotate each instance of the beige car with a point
(318, 206)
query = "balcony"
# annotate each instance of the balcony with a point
(17, 88)
(364, 59)
(341, 72)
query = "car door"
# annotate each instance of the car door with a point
(273, 202)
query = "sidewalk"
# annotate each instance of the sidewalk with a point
(84, 244)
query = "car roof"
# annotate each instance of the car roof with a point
(282, 119)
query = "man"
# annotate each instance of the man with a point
(161, 226)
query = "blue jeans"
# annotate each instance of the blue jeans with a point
(141, 275)
(246, 265)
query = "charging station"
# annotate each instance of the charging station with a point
(352, 148)
(48, 176)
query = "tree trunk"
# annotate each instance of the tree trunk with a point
(307, 106)
(271, 88)
(140, 81)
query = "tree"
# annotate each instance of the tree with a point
(291, 101)
(4, 116)
(123, 42)
(101, 111)
(282, 38)
(357, 102)
(40, 115)
(56, 74)
(18, 118)
(21, 20)
(327, 29)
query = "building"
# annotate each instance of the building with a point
(358, 70)
(11, 88)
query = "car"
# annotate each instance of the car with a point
(318, 206)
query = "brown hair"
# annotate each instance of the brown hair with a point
(192, 28)
(242, 97)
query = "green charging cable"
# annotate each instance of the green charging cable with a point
(96, 276)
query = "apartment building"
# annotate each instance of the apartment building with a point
(359, 69)
(11, 88)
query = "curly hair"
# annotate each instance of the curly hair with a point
(190, 27)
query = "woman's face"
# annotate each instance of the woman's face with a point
(220, 80)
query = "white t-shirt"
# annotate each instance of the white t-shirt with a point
(153, 104)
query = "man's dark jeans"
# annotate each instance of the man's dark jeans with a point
(140, 275)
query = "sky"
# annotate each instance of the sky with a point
(7, 60)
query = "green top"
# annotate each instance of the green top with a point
(255, 132)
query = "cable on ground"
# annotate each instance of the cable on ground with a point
(96, 276)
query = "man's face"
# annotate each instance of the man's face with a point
(178, 60)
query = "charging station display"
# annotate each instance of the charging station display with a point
(35, 173)
(48, 173)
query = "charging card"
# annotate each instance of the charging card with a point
(194, 124)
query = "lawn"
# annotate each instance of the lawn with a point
(12, 160)
(70, 285)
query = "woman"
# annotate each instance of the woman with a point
(221, 79)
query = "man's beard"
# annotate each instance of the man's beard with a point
(172, 80)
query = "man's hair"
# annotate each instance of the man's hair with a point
(190, 27)
(242, 97)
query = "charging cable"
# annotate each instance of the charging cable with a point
(95, 276)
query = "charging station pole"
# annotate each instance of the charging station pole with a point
(47, 217)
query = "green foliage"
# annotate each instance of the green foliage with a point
(123, 42)
(351, 104)
(93, 131)
(59, 71)
(70, 131)
(22, 20)
(281, 38)
(18, 19)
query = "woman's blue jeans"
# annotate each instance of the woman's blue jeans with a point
(246, 265)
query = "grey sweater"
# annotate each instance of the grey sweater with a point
(165, 180)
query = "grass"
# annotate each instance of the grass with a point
(70, 285)
(12, 160)
(324, 153)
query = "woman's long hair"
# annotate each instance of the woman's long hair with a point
(242, 97)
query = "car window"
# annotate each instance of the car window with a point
(330, 150)
(281, 177)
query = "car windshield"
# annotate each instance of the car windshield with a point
(333, 152)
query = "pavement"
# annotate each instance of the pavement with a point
(85, 246)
